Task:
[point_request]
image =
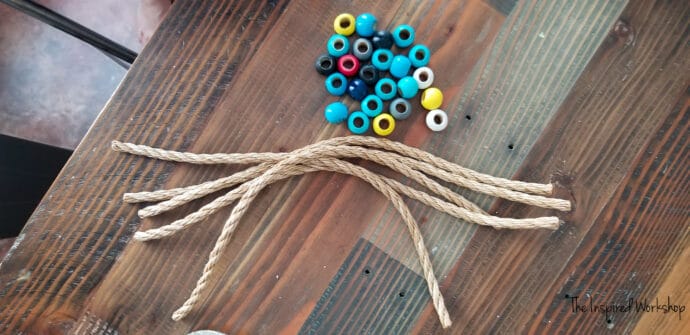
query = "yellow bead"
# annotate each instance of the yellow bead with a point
(432, 98)
(384, 124)
(344, 24)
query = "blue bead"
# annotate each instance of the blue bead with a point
(338, 45)
(407, 87)
(335, 112)
(419, 55)
(400, 67)
(358, 122)
(386, 88)
(365, 24)
(357, 89)
(403, 36)
(336, 84)
(382, 59)
(372, 105)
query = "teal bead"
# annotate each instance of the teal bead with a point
(365, 24)
(358, 122)
(335, 112)
(336, 84)
(403, 36)
(419, 55)
(386, 89)
(400, 67)
(407, 87)
(372, 105)
(338, 45)
(382, 59)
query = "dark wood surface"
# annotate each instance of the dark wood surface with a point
(591, 95)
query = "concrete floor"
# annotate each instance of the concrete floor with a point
(52, 86)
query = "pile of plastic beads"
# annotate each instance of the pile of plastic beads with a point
(360, 62)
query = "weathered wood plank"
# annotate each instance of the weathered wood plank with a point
(247, 85)
(80, 228)
(624, 100)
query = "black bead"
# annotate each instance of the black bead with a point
(325, 64)
(369, 74)
(382, 39)
(357, 89)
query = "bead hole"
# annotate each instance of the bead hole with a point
(371, 104)
(386, 88)
(348, 64)
(419, 54)
(338, 45)
(326, 63)
(383, 58)
(337, 82)
(384, 124)
(362, 47)
(358, 122)
(424, 76)
(405, 34)
(344, 23)
(400, 108)
(438, 119)
(368, 74)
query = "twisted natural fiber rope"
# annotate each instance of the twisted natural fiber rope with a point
(327, 155)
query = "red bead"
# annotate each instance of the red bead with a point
(348, 65)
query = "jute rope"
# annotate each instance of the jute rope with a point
(329, 155)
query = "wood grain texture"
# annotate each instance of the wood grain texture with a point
(570, 92)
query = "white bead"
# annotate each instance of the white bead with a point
(424, 77)
(437, 120)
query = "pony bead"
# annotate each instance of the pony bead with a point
(437, 120)
(338, 45)
(335, 112)
(384, 124)
(344, 24)
(403, 36)
(336, 84)
(358, 122)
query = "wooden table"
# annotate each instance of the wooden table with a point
(590, 95)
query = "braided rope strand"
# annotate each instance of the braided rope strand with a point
(328, 155)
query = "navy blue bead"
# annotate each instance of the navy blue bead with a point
(336, 84)
(372, 105)
(335, 112)
(369, 74)
(386, 89)
(358, 122)
(325, 64)
(357, 89)
(365, 24)
(382, 59)
(407, 87)
(403, 36)
(382, 39)
(419, 55)
(338, 45)
(400, 67)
